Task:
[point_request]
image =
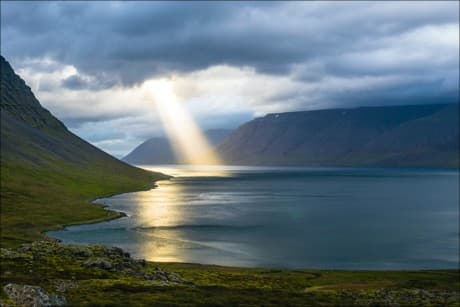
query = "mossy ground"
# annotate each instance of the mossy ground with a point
(50, 265)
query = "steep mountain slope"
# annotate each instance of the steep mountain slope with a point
(419, 135)
(158, 150)
(48, 174)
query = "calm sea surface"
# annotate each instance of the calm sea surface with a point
(341, 218)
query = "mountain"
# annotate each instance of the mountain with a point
(158, 150)
(414, 135)
(48, 174)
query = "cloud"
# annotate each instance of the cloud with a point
(80, 82)
(139, 40)
(229, 61)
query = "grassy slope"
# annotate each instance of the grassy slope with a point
(48, 180)
(36, 199)
(224, 286)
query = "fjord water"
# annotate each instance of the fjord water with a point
(338, 218)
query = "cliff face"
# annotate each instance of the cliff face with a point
(18, 102)
(419, 135)
(29, 132)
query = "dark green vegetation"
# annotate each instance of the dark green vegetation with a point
(89, 276)
(49, 176)
(413, 136)
(158, 150)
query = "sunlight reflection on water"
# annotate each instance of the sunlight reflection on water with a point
(287, 217)
(159, 208)
(192, 170)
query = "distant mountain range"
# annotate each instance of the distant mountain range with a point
(415, 135)
(158, 150)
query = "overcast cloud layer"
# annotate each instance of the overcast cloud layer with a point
(229, 61)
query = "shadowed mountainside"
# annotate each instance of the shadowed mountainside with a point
(158, 150)
(48, 174)
(417, 135)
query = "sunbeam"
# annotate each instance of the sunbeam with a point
(188, 141)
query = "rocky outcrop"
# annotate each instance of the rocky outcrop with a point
(92, 257)
(32, 296)
(19, 101)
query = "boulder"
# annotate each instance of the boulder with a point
(141, 262)
(98, 263)
(114, 251)
(26, 295)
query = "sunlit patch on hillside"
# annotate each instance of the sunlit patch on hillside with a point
(189, 143)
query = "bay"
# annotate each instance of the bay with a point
(287, 217)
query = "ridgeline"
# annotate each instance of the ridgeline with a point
(387, 136)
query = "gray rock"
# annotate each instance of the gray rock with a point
(24, 247)
(173, 277)
(148, 277)
(114, 251)
(159, 276)
(98, 263)
(61, 285)
(79, 251)
(25, 295)
(10, 254)
(141, 262)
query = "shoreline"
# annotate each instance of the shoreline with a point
(120, 214)
(115, 213)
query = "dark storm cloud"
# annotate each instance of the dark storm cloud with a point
(137, 40)
(99, 82)
(131, 40)
(74, 82)
(405, 90)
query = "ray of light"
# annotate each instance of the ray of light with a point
(189, 143)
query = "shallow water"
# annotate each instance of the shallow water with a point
(340, 218)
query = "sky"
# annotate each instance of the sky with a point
(90, 63)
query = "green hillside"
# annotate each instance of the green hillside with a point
(48, 174)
